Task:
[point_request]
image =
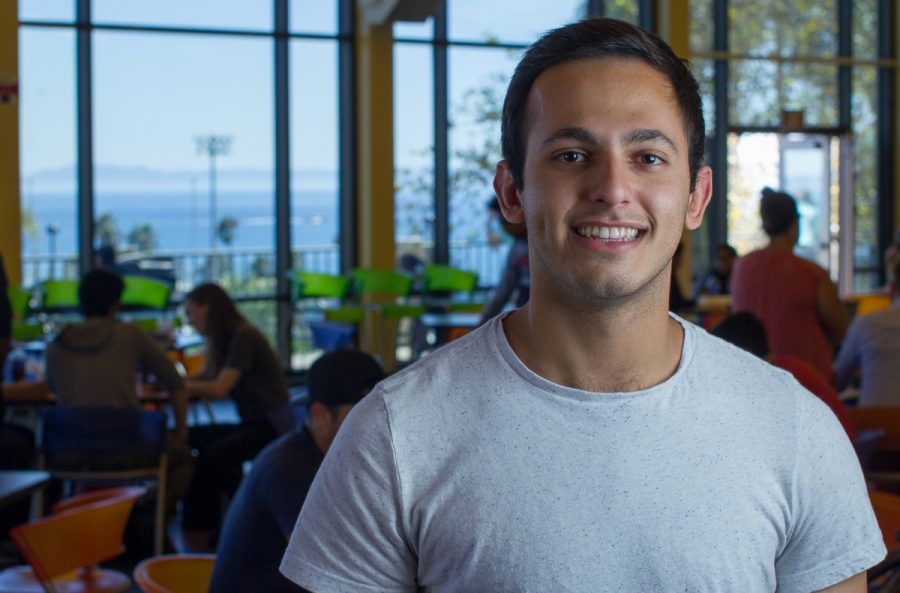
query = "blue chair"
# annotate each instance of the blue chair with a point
(101, 444)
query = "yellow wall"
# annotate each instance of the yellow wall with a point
(10, 215)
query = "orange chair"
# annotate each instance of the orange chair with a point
(177, 573)
(64, 548)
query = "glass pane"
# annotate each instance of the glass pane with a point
(704, 72)
(476, 20)
(811, 88)
(753, 162)
(47, 145)
(702, 26)
(315, 221)
(47, 10)
(424, 30)
(627, 10)
(865, 179)
(313, 16)
(753, 96)
(414, 150)
(767, 27)
(183, 157)
(865, 29)
(200, 14)
(478, 81)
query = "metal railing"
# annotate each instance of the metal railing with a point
(249, 271)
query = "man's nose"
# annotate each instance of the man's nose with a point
(610, 180)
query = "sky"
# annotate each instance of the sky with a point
(155, 92)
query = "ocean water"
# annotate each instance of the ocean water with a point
(182, 221)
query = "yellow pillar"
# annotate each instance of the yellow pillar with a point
(375, 167)
(10, 213)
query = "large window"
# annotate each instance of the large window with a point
(49, 206)
(772, 58)
(176, 119)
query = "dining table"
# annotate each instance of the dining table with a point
(16, 484)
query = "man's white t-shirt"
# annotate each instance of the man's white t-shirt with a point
(469, 473)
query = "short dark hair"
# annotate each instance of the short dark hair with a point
(342, 377)
(98, 291)
(744, 330)
(598, 38)
(778, 211)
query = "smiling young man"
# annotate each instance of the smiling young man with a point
(589, 441)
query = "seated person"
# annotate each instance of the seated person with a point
(262, 514)
(717, 280)
(872, 349)
(94, 363)
(746, 331)
(240, 365)
(515, 282)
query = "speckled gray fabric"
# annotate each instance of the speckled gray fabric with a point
(469, 473)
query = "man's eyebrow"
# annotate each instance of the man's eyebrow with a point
(577, 134)
(648, 135)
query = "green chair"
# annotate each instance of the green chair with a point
(321, 297)
(24, 328)
(142, 292)
(443, 280)
(390, 292)
(59, 295)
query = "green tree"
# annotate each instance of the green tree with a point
(227, 230)
(143, 237)
(106, 229)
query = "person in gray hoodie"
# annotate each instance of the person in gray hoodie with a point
(94, 363)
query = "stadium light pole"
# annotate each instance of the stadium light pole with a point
(213, 146)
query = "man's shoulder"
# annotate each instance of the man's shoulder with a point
(450, 364)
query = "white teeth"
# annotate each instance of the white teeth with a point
(608, 232)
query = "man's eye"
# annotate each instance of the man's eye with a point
(571, 156)
(651, 159)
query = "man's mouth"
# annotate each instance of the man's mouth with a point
(608, 233)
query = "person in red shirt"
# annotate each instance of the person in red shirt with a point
(794, 298)
(746, 331)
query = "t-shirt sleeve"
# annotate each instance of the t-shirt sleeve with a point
(832, 532)
(350, 536)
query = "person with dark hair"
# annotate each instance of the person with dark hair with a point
(262, 514)
(240, 365)
(516, 279)
(717, 280)
(793, 297)
(871, 351)
(94, 363)
(746, 331)
(590, 440)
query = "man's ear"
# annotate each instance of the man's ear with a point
(699, 199)
(508, 194)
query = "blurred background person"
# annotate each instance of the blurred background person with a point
(240, 365)
(794, 298)
(871, 352)
(515, 281)
(260, 519)
(717, 279)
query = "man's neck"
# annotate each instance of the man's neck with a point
(617, 349)
(782, 243)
